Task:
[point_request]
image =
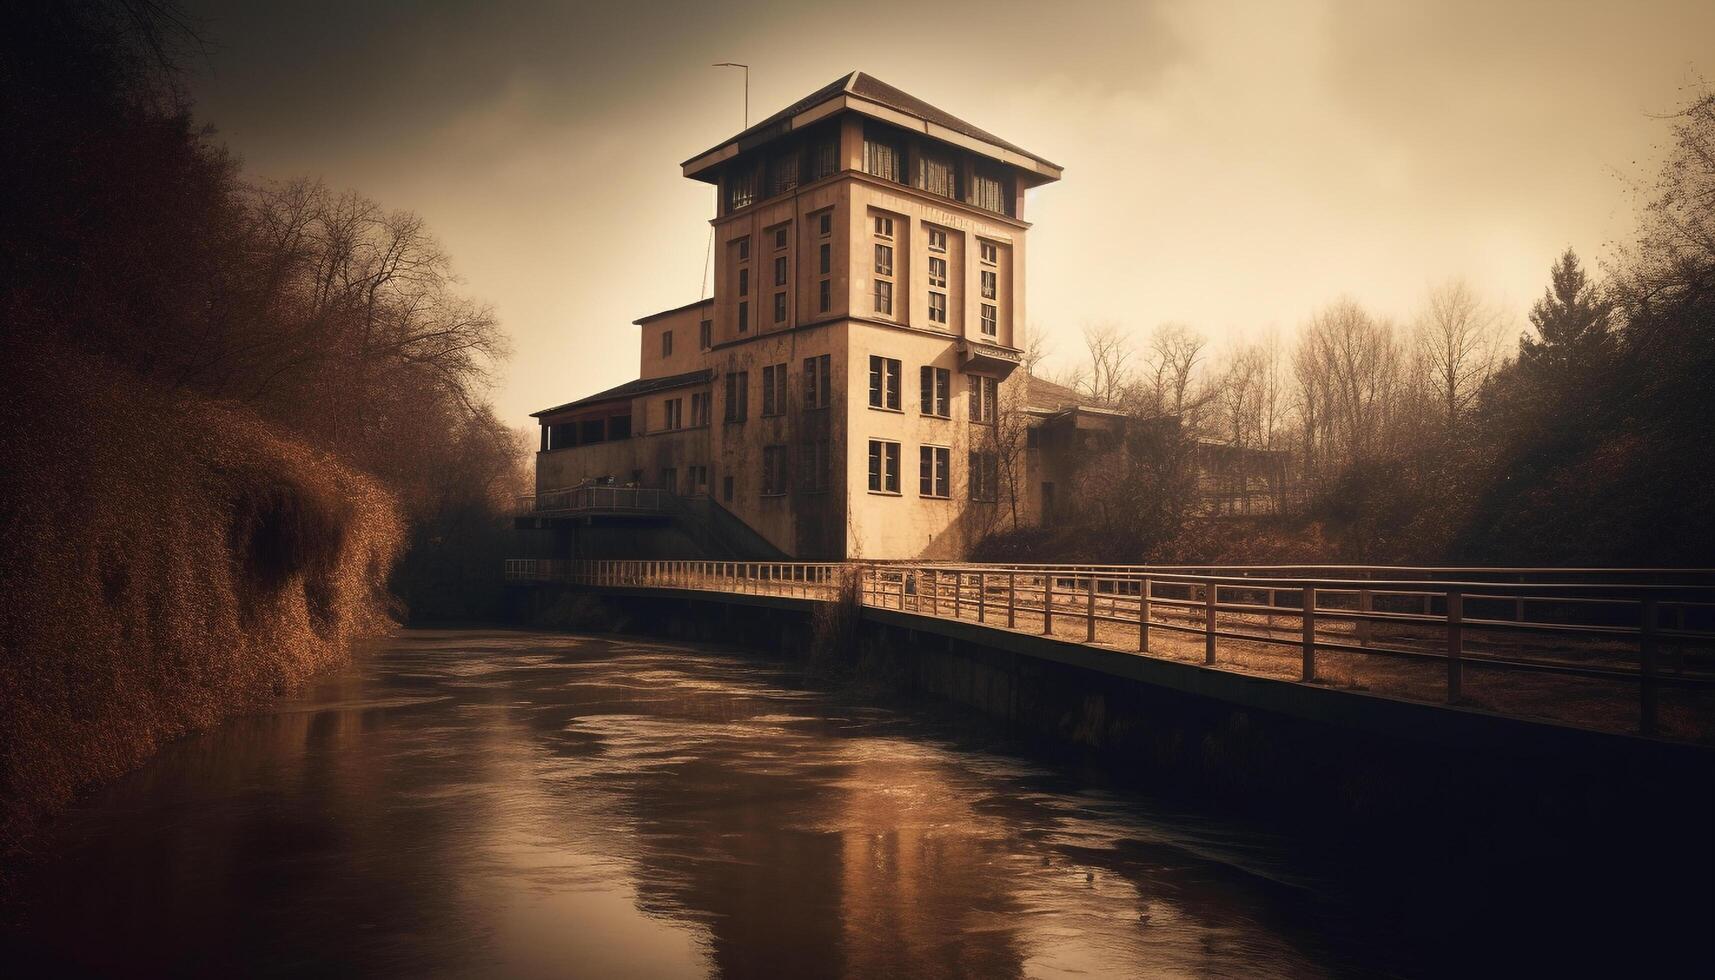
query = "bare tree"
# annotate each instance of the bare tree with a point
(1175, 350)
(1457, 342)
(1110, 354)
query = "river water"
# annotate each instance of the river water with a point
(498, 803)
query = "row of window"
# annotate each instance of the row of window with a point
(934, 465)
(934, 389)
(885, 279)
(818, 388)
(930, 167)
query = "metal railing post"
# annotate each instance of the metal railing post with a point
(934, 592)
(1209, 623)
(1143, 615)
(958, 594)
(1048, 604)
(982, 599)
(1309, 625)
(1366, 603)
(1455, 643)
(1651, 614)
(1090, 612)
(1011, 598)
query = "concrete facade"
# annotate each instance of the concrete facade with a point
(857, 224)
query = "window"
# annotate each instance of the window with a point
(774, 389)
(984, 398)
(824, 156)
(990, 320)
(990, 252)
(938, 272)
(779, 307)
(726, 489)
(883, 382)
(744, 282)
(705, 334)
(883, 226)
(783, 173)
(825, 259)
(741, 187)
(883, 155)
(666, 343)
(883, 466)
(737, 395)
(744, 249)
(883, 259)
(743, 317)
(824, 296)
(818, 382)
(937, 239)
(697, 480)
(780, 237)
(825, 223)
(937, 307)
(773, 470)
(619, 427)
(991, 192)
(935, 386)
(699, 408)
(883, 297)
(985, 476)
(932, 466)
(813, 465)
(989, 284)
(670, 479)
(675, 413)
(780, 271)
(938, 175)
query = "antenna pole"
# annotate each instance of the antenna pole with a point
(734, 64)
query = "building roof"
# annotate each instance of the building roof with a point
(1045, 394)
(870, 89)
(640, 321)
(631, 389)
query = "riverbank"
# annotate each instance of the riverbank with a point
(169, 563)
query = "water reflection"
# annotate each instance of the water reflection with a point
(496, 803)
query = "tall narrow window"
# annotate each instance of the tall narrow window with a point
(937, 307)
(825, 223)
(938, 272)
(741, 183)
(990, 320)
(666, 343)
(883, 466)
(883, 259)
(773, 470)
(780, 270)
(780, 237)
(744, 317)
(937, 239)
(984, 398)
(883, 226)
(737, 395)
(779, 307)
(744, 249)
(705, 334)
(985, 476)
(675, 413)
(883, 382)
(774, 389)
(936, 390)
(818, 378)
(932, 475)
(825, 259)
(813, 465)
(824, 296)
(699, 409)
(744, 282)
(990, 252)
(989, 284)
(883, 297)
(883, 154)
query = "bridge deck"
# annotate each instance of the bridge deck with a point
(1610, 650)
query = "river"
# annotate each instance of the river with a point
(501, 803)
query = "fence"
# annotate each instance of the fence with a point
(1647, 630)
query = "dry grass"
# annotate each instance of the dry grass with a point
(167, 563)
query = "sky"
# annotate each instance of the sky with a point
(1230, 166)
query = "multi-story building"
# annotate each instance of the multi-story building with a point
(839, 393)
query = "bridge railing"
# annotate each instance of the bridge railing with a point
(1530, 640)
(642, 500)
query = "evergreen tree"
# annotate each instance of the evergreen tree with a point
(1572, 325)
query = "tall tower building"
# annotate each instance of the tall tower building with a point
(840, 392)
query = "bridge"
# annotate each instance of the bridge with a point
(1613, 650)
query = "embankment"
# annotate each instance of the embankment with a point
(166, 563)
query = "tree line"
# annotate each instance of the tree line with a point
(131, 233)
(1459, 434)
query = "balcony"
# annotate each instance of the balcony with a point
(593, 501)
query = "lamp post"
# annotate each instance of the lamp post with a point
(734, 64)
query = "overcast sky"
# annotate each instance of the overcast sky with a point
(1231, 166)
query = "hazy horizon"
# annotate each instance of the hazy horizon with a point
(1261, 161)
